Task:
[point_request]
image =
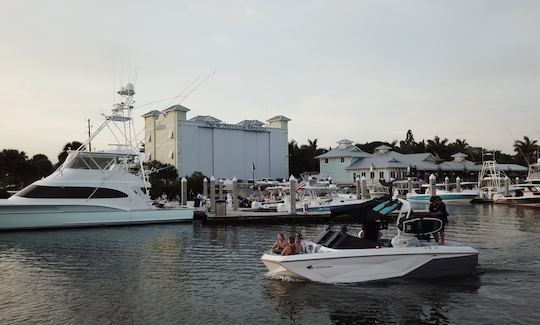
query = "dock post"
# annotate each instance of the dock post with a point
(292, 182)
(235, 193)
(458, 184)
(220, 185)
(363, 188)
(432, 186)
(212, 195)
(409, 185)
(183, 184)
(447, 184)
(517, 180)
(359, 193)
(506, 186)
(205, 187)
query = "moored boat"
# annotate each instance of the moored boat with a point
(92, 188)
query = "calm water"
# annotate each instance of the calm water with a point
(193, 274)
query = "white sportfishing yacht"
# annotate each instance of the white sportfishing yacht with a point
(92, 188)
(526, 193)
(336, 258)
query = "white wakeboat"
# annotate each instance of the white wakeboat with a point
(92, 188)
(335, 258)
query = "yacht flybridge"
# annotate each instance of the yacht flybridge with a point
(333, 257)
(93, 188)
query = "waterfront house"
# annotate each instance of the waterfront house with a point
(347, 162)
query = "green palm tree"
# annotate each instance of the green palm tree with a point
(526, 149)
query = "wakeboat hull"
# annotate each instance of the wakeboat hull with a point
(353, 266)
(57, 216)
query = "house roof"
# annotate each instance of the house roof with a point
(178, 108)
(151, 113)
(383, 147)
(459, 154)
(279, 118)
(392, 159)
(512, 167)
(250, 123)
(350, 151)
(205, 118)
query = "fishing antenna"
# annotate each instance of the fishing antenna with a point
(198, 85)
(170, 98)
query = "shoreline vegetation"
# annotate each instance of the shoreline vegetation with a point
(18, 171)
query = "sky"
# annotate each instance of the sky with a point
(360, 70)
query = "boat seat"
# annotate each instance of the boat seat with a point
(323, 236)
(352, 242)
(332, 240)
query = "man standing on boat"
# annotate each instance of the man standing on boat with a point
(437, 209)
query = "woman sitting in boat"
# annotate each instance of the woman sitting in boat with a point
(290, 248)
(280, 244)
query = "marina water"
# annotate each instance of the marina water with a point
(195, 274)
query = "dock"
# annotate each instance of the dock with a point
(242, 217)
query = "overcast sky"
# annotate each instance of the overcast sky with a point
(362, 70)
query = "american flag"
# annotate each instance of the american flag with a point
(299, 185)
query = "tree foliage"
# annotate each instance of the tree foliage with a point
(70, 146)
(302, 158)
(526, 150)
(18, 171)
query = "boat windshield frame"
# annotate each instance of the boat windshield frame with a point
(97, 160)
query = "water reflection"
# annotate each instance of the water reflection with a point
(397, 301)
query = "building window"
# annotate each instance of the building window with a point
(326, 160)
(149, 138)
(372, 175)
(171, 154)
(354, 176)
(171, 135)
(381, 175)
(342, 160)
(364, 174)
(393, 174)
(150, 157)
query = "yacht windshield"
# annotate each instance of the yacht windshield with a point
(81, 162)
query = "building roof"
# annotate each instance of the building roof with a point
(205, 118)
(279, 118)
(512, 168)
(345, 141)
(459, 154)
(250, 123)
(151, 113)
(378, 161)
(383, 147)
(178, 108)
(350, 151)
(393, 159)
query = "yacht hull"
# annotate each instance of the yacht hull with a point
(364, 265)
(49, 216)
